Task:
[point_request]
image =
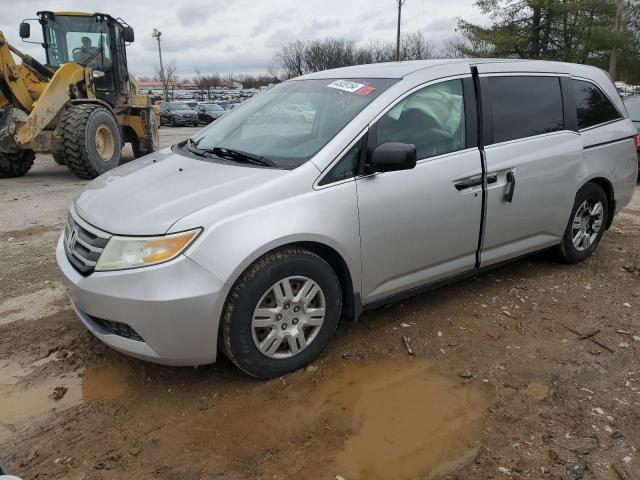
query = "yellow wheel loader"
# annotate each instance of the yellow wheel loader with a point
(82, 106)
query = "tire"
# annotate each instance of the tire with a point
(152, 140)
(239, 337)
(59, 158)
(82, 127)
(16, 164)
(587, 198)
(172, 123)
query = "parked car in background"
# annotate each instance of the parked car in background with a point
(633, 107)
(208, 112)
(177, 114)
(258, 236)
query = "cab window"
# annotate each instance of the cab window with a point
(432, 119)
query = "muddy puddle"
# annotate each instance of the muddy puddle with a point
(393, 419)
(406, 421)
(21, 403)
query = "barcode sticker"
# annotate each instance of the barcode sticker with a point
(352, 87)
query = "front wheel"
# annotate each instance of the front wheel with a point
(281, 313)
(16, 164)
(91, 140)
(587, 222)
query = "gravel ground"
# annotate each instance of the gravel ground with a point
(529, 371)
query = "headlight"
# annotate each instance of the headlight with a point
(131, 252)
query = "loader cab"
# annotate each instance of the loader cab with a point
(94, 40)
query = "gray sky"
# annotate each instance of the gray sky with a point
(243, 35)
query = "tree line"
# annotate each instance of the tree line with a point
(580, 31)
(604, 33)
(297, 58)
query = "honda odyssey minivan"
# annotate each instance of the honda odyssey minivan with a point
(256, 236)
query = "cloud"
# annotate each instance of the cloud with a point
(244, 35)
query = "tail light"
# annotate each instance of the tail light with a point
(635, 141)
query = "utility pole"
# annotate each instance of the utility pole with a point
(400, 4)
(157, 34)
(613, 61)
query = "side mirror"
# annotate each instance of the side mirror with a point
(392, 156)
(128, 35)
(25, 30)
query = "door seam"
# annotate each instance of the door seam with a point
(483, 162)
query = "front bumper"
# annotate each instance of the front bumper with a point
(185, 120)
(175, 307)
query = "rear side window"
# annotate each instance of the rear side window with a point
(594, 107)
(525, 106)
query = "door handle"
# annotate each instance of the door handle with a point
(464, 184)
(511, 186)
(476, 182)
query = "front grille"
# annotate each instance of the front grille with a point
(117, 328)
(83, 243)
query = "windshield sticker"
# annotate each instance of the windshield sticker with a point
(352, 87)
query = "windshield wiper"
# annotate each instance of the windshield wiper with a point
(230, 154)
(193, 148)
(240, 156)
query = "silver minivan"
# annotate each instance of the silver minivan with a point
(337, 192)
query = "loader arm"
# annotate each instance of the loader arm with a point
(14, 85)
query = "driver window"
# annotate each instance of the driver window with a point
(432, 119)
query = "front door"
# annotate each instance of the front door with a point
(421, 225)
(533, 154)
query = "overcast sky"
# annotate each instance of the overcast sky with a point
(243, 35)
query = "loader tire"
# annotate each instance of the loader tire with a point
(59, 158)
(152, 140)
(16, 164)
(91, 140)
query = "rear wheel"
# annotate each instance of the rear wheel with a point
(281, 313)
(586, 225)
(16, 164)
(59, 158)
(91, 140)
(152, 140)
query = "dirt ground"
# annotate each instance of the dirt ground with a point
(529, 371)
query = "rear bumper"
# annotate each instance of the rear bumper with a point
(175, 307)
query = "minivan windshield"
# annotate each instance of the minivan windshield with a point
(633, 107)
(288, 124)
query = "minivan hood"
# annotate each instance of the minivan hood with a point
(148, 195)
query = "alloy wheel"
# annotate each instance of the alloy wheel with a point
(587, 223)
(288, 317)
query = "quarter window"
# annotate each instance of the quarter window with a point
(432, 119)
(593, 106)
(525, 106)
(346, 167)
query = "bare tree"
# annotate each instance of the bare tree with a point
(453, 47)
(415, 46)
(291, 59)
(170, 77)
